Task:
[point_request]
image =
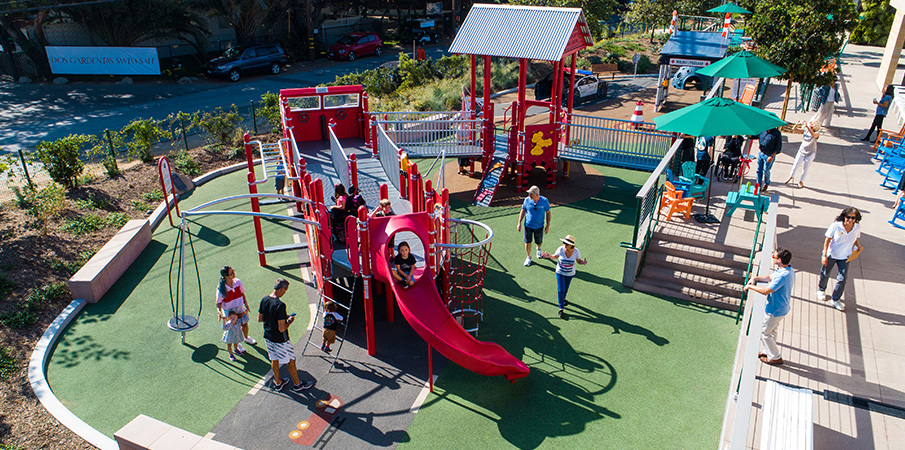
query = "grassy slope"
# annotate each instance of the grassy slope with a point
(118, 359)
(625, 370)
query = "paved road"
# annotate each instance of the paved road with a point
(30, 113)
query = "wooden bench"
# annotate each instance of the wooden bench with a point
(601, 69)
(93, 280)
(788, 420)
(145, 432)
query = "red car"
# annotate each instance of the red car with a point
(354, 45)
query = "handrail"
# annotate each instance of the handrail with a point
(754, 249)
(717, 88)
(642, 214)
(339, 159)
(748, 346)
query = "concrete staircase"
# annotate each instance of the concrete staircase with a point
(694, 267)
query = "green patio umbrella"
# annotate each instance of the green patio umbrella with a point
(742, 64)
(729, 7)
(718, 117)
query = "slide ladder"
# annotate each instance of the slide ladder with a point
(315, 336)
(424, 308)
(490, 181)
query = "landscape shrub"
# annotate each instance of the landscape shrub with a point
(270, 109)
(42, 204)
(144, 134)
(61, 158)
(92, 222)
(221, 127)
(153, 196)
(183, 162)
(25, 314)
(7, 364)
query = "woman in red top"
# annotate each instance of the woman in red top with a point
(231, 297)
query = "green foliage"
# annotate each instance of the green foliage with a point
(92, 203)
(10, 447)
(153, 196)
(71, 267)
(184, 163)
(105, 148)
(111, 167)
(25, 314)
(61, 158)
(7, 369)
(92, 222)
(144, 134)
(875, 23)
(799, 35)
(220, 126)
(139, 205)
(42, 204)
(595, 11)
(270, 109)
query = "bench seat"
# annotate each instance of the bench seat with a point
(93, 280)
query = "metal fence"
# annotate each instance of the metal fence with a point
(340, 159)
(616, 142)
(427, 134)
(647, 198)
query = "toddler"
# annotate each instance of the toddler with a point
(331, 322)
(232, 333)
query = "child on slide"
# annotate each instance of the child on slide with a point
(404, 263)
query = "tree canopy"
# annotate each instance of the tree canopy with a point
(594, 10)
(875, 23)
(799, 35)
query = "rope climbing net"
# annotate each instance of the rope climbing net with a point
(466, 258)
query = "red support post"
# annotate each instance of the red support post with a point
(364, 119)
(430, 367)
(571, 97)
(364, 240)
(520, 150)
(325, 237)
(353, 170)
(488, 119)
(384, 191)
(253, 189)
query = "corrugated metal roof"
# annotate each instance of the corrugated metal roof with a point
(532, 32)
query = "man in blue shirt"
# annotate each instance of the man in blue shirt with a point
(779, 302)
(770, 146)
(535, 213)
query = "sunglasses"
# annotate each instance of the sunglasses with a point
(851, 217)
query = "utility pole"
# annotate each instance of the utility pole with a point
(310, 31)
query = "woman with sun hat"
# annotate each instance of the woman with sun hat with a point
(565, 256)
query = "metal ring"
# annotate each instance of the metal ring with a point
(304, 117)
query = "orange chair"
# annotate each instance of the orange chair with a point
(673, 199)
(888, 135)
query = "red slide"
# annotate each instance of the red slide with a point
(425, 311)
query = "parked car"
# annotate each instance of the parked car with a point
(354, 45)
(238, 61)
(686, 76)
(587, 87)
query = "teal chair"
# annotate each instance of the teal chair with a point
(697, 185)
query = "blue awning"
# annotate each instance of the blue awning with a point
(703, 45)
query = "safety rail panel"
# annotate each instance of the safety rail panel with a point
(388, 153)
(648, 198)
(340, 159)
(614, 142)
(427, 134)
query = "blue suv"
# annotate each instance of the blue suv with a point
(238, 61)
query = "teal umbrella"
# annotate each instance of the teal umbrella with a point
(718, 117)
(729, 7)
(742, 64)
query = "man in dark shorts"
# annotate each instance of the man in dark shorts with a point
(272, 313)
(536, 216)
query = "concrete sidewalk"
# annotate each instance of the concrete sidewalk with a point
(852, 360)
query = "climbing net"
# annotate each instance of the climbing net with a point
(466, 259)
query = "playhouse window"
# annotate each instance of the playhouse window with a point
(303, 103)
(341, 101)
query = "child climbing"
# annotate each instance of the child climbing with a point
(332, 320)
(232, 333)
(404, 262)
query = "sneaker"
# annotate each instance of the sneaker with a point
(280, 386)
(250, 341)
(560, 313)
(527, 261)
(303, 386)
(232, 358)
(328, 349)
(539, 254)
(821, 296)
(565, 303)
(240, 349)
(838, 305)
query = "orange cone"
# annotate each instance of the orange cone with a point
(726, 23)
(638, 115)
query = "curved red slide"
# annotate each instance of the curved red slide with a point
(425, 311)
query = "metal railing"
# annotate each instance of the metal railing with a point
(739, 401)
(388, 153)
(647, 200)
(340, 159)
(427, 134)
(615, 142)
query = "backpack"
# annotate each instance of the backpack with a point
(355, 200)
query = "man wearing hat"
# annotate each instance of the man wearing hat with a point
(536, 216)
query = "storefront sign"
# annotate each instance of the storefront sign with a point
(688, 62)
(103, 60)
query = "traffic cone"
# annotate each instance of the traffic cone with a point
(726, 23)
(637, 116)
(672, 23)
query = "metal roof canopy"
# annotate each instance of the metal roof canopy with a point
(530, 32)
(694, 45)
